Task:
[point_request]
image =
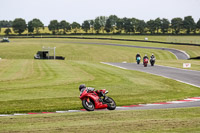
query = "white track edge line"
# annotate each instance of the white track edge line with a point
(155, 74)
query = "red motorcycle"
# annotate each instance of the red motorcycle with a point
(93, 100)
(145, 62)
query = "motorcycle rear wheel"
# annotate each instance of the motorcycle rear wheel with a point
(89, 106)
(111, 104)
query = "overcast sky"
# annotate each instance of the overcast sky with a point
(80, 10)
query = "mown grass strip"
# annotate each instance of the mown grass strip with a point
(61, 92)
(164, 120)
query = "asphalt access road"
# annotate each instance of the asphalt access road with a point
(178, 53)
(187, 76)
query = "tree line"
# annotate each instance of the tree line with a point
(111, 24)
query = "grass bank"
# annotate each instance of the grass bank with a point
(149, 121)
(28, 85)
(36, 86)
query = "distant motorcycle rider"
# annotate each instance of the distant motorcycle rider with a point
(145, 57)
(153, 57)
(137, 55)
(152, 60)
(82, 87)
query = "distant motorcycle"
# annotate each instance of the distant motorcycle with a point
(145, 62)
(138, 60)
(152, 61)
(92, 100)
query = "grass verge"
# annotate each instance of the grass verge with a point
(53, 85)
(149, 121)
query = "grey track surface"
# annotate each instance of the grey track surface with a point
(158, 106)
(187, 76)
(179, 54)
(164, 106)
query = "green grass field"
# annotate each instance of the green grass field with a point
(167, 38)
(185, 120)
(47, 85)
(28, 85)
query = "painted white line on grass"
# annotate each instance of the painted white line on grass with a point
(120, 107)
(113, 65)
(179, 68)
(179, 51)
(19, 114)
(73, 110)
(182, 52)
(151, 104)
(173, 54)
(154, 74)
(61, 111)
(174, 79)
(192, 99)
(5, 115)
(177, 101)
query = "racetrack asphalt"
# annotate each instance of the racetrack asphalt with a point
(182, 75)
(181, 55)
(186, 76)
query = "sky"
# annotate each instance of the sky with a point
(81, 10)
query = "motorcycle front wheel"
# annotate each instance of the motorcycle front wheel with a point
(88, 105)
(111, 103)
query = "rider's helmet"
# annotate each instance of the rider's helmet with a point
(152, 53)
(81, 87)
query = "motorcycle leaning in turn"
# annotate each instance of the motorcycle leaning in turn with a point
(97, 100)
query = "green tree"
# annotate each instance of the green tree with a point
(7, 31)
(141, 26)
(53, 26)
(157, 24)
(120, 25)
(91, 24)
(65, 26)
(19, 25)
(30, 27)
(113, 21)
(128, 27)
(189, 24)
(165, 25)
(177, 24)
(198, 24)
(151, 26)
(37, 24)
(97, 25)
(75, 26)
(108, 26)
(135, 23)
(86, 26)
(102, 22)
(5, 24)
